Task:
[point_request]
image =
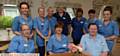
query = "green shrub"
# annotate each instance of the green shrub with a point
(5, 22)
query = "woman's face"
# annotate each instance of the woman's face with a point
(79, 14)
(91, 15)
(24, 9)
(61, 10)
(50, 12)
(58, 30)
(41, 12)
(107, 15)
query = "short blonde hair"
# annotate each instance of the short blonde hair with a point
(41, 8)
(49, 8)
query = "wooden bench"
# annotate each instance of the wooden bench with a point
(4, 45)
(66, 54)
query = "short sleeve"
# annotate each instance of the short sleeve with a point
(35, 23)
(68, 18)
(67, 41)
(83, 42)
(85, 26)
(13, 45)
(32, 47)
(49, 27)
(104, 45)
(49, 44)
(15, 24)
(116, 29)
(55, 20)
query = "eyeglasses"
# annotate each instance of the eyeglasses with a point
(25, 29)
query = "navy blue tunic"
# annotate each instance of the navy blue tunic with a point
(78, 28)
(65, 19)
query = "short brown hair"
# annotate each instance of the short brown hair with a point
(79, 10)
(91, 11)
(25, 4)
(59, 25)
(108, 8)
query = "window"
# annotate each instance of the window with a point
(11, 11)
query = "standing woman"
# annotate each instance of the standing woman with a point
(93, 19)
(78, 26)
(64, 17)
(24, 18)
(109, 29)
(52, 20)
(41, 25)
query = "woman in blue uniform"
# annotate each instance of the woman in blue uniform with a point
(41, 25)
(92, 19)
(109, 28)
(78, 24)
(52, 20)
(58, 43)
(24, 18)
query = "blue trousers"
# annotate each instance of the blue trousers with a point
(110, 45)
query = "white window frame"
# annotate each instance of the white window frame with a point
(10, 7)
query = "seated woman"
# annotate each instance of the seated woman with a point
(58, 43)
(22, 43)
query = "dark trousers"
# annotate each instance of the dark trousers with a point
(41, 50)
(76, 36)
(76, 42)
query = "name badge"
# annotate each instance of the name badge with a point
(81, 22)
(64, 45)
(42, 23)
(64, 18)
(100, 25)
(25, 45)
(23, 23)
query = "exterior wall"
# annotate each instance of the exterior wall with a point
(12, 2)
(34, 8)
(97, 4)
(85, 4)
(55, 3)
(0, 9)
(9, 2)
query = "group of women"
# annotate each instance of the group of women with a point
(56, 27)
